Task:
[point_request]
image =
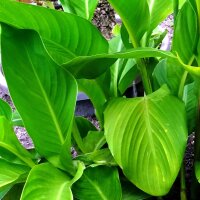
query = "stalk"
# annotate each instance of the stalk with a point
(145, 79)
(175, 8)
(182, 84)
(183, 184)
(142, 67)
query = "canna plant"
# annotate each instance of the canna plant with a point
(48, 56)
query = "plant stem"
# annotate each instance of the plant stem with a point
(144, 76)
(142, 67)
(183, 80)
(183, 184)
(175, 7)
(182, 84)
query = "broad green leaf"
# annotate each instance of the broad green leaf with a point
(47, 182)
(169, 72)
(83, 66)
(94, 141)
(135, 16)
(184, 44)
(11, 173)
(95, 93)
(15, 192)
(4, 191)
(48, 109)
(128, 75)
(10, 147)
(117, 45)
(82, 8)
(159, 10)
(5, 110)
(61, 32)
(130, 192)
(99, 183)
(84, 126)
(125, 37)
(79, 172)
(99, 157)
(191, 103)
(147, 137)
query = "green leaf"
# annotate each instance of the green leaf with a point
(84, 126)
(83, 66)
(99, 183)
(147, 137)
(82, 8)
(95, 93)
(48, 109)
(130, 192)
(47, 182)
(99, 157)
(128, 75)
(136, 21)
(11, 149)
(94, 141)
(191, 104)
(159, 10)
(61, 32)
(4, 191)
(169, 72)
(15, 192)
(185, 43)
(11, 173)
(5, 110)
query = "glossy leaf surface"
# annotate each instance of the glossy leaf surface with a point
(191, 104)
(10, 147)
(61, 32)
(5, 110)
(185, 43)
(47, 111)
(94, 141)
(82, 8)
(135, 16)
(83, 66)
(47, 182)
(99, 157)
(95, 93)
(159, 10)
(169, 72)
(11, 173)
(147, 137)
(100, 183)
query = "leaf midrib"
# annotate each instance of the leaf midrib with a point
(87, 9)
(96, 187)
(48, 103)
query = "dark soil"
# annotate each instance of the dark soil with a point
(104, 18)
